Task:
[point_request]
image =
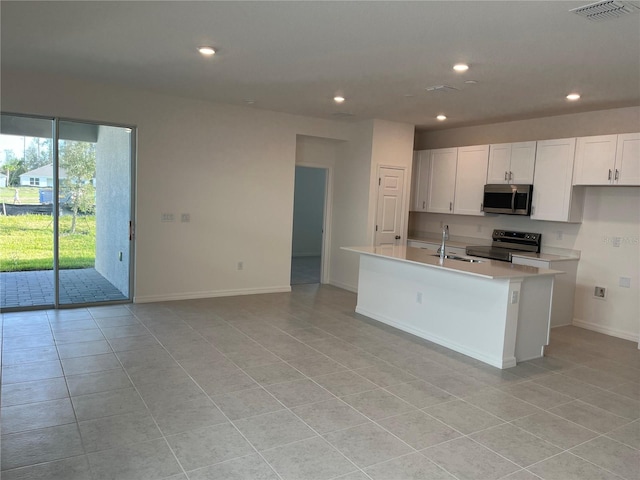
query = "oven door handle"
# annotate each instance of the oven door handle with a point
(514, 191)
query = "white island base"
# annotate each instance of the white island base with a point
(495, 312)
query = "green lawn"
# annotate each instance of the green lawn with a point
(28, 195)
(26, 242)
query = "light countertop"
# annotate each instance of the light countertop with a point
(486, 268)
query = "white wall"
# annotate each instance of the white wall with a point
(392, 146)
(609, 212)
(231, 168)
(601, 122)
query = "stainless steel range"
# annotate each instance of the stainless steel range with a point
(505, 243)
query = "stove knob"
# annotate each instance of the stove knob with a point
(527, 236)
(502, 234)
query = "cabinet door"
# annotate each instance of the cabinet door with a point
(421, 180)
(499, 163)
(627, 171)
(470, 179)
(523, 160)
(415, 176)
(552, 186)
(595, 158)
(442, 180)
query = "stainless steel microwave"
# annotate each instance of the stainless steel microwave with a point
(507, 199)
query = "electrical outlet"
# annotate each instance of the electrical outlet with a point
(616, 241)
(240, 265)
(559, 235)
(419, 297)
(479, 229)
(600, 292)
(514, 297)
(185, 217)
(625, 282)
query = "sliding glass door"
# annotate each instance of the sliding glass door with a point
(83, 210)
(26, 220)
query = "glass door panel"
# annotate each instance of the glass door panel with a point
(27, 212)
(94, 244)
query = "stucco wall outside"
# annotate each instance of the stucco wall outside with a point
(113, 200)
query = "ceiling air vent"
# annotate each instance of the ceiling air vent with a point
(442, 89)
(342, 114)
(606, 10)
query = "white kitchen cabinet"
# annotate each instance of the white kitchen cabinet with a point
(564, 286)
(420, 180)
(554, 197)
(470, 180)
(512, 163)
(442, 180)
(628, 159)
(608, 160)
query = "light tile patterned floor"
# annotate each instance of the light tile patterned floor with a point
(296, 386)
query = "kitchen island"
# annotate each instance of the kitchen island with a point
(495, 312)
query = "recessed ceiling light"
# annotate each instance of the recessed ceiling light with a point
(461, 67)
(338, 99)
(573, 97)
(441, 117)
(207, 51)
(249, 101)
(470, 82)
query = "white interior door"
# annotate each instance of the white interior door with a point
(389, 213)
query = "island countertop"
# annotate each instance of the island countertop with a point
(486, 268)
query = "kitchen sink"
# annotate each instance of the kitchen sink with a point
(460, 259)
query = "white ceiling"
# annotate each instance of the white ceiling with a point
(295, 56)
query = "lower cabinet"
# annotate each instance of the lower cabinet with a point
(564, 286)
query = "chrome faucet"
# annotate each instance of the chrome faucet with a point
(445, 237)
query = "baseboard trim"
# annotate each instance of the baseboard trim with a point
(211, 294)
(614, 332)
(343, 286)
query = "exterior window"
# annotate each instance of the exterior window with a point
(34, 181)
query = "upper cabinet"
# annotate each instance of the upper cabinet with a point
(628, 160)
(554, 198)
(512, 163)
(470, 180)
(442, 180)
(420, 180)
(608, 160)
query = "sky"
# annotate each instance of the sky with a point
(12, 142)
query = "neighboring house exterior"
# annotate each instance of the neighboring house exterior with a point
(40, 177)
(3, 180)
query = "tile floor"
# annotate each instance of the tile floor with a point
(296, 386)
(305, 270)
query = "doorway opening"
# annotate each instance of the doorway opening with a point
(66, 212)
(310, 194)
